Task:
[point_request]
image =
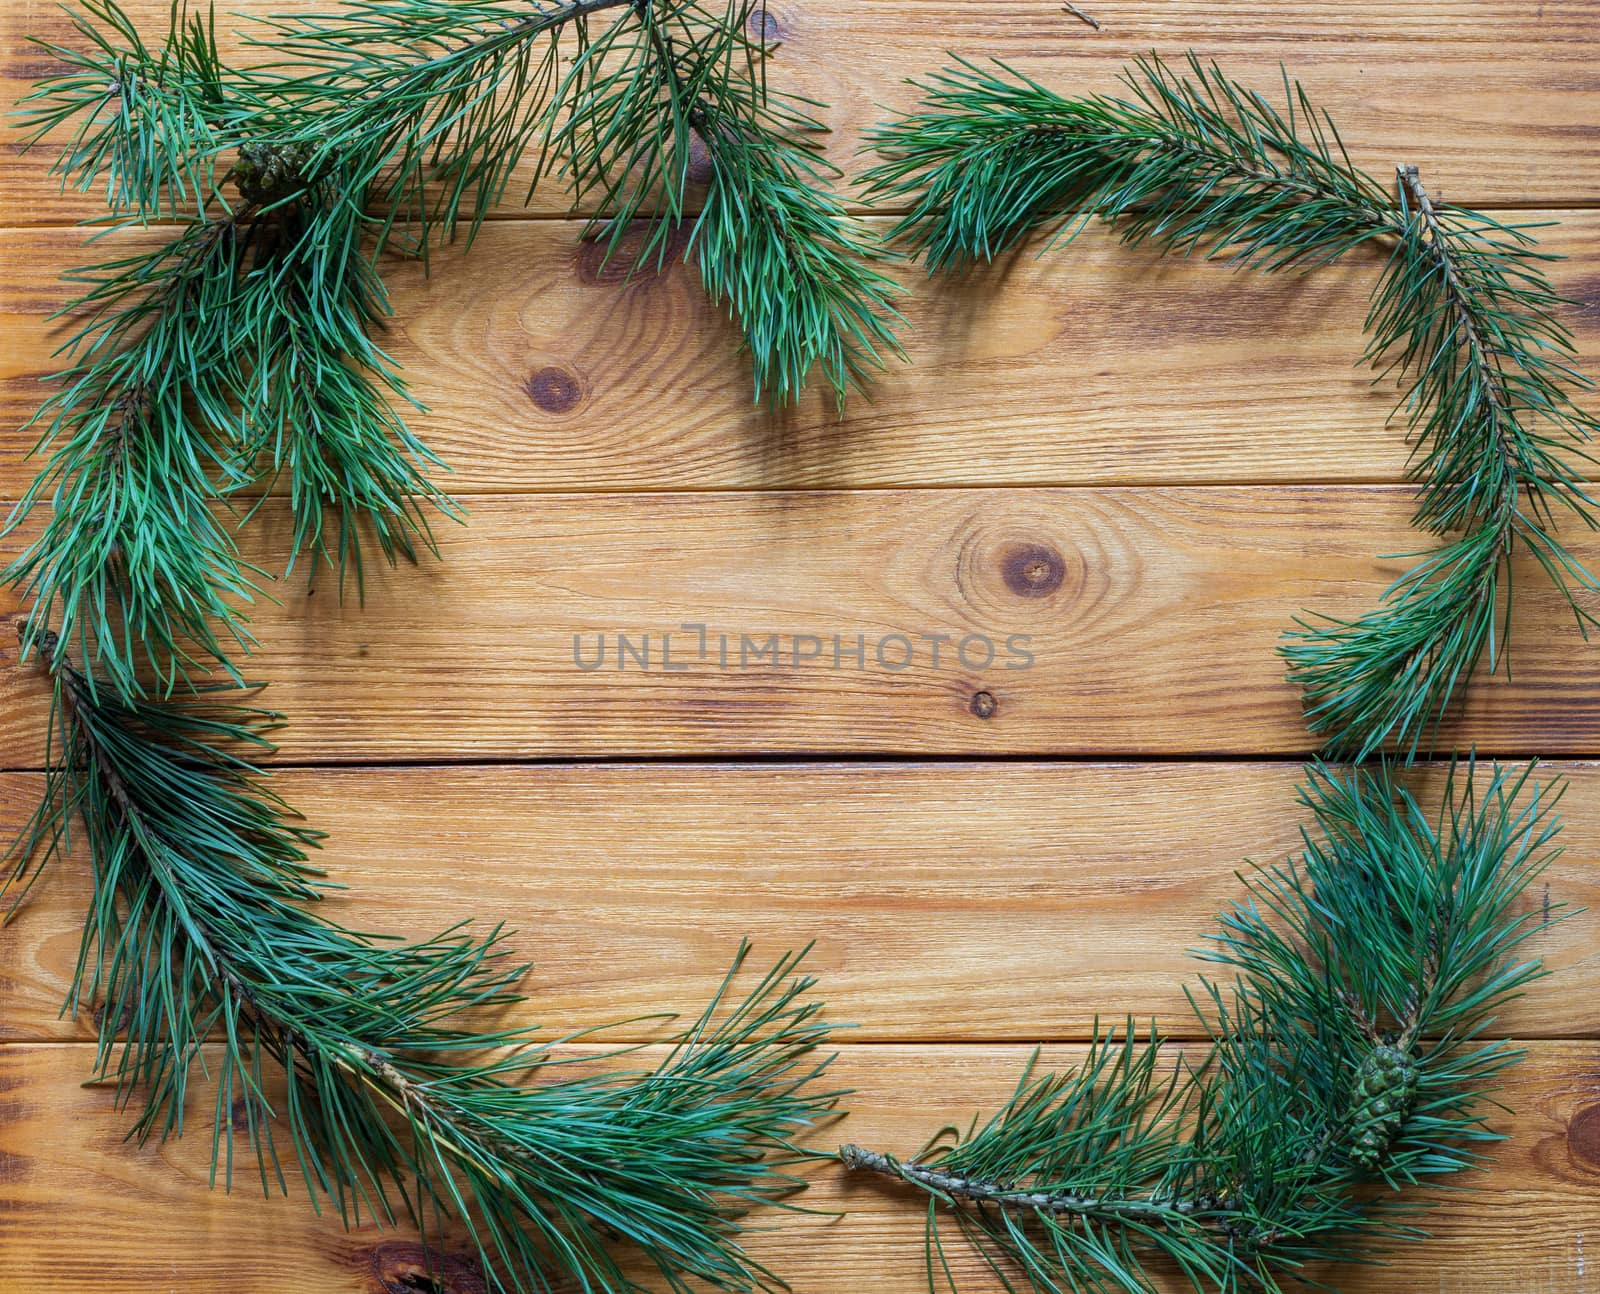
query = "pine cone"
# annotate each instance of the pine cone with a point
(268, 173)
(1385, 1087)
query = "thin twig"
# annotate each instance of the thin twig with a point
(1021, 1199)
(1080, 15)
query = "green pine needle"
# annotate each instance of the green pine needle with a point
(240, 349)
(131, 565)
(1347, 1061)
(146, 124)
(1466, 316)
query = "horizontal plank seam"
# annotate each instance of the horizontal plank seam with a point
(1237, 487)
(828, 762)
(1171, 482)
(822, 758)
(1564, 202)
(907, 1042)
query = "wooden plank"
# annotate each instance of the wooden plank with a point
(946, 901)
(1097, 365)
(1151, 618)
(84, 1211)
(1497, 100)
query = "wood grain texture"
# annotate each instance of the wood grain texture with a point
(1496, 99)
(960, 909)
(995, 901)
(1098, 364)
(1152, 618)
(88, 1213)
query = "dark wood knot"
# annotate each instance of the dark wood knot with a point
(1032, 570)
(554, 390)
(38, 68)
(699, 159)
(405, 1267)
(1583, 1136)
(765, 25)
(600, 262)
(984, 705)
(122, 1021)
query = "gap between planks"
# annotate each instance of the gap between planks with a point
(1573, 203)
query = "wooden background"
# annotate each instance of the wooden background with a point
(1148, 467)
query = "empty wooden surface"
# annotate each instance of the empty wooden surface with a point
(1145, 468)
(1127, 621)
(994, 901)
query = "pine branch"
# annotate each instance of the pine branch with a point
(320, 396)
(428, 105)
(240, 350)
(1464, 316)
(147, 124)
(200, 933)
(131, 564)
(244, 350)
(432, 105)
(1191, 165)
(795, 271)
(1467, 317)
(1347, 1055)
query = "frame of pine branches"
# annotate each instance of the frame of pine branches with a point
(1347, 1056)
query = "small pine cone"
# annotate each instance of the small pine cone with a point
(1385, 1087)
(268, 173)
